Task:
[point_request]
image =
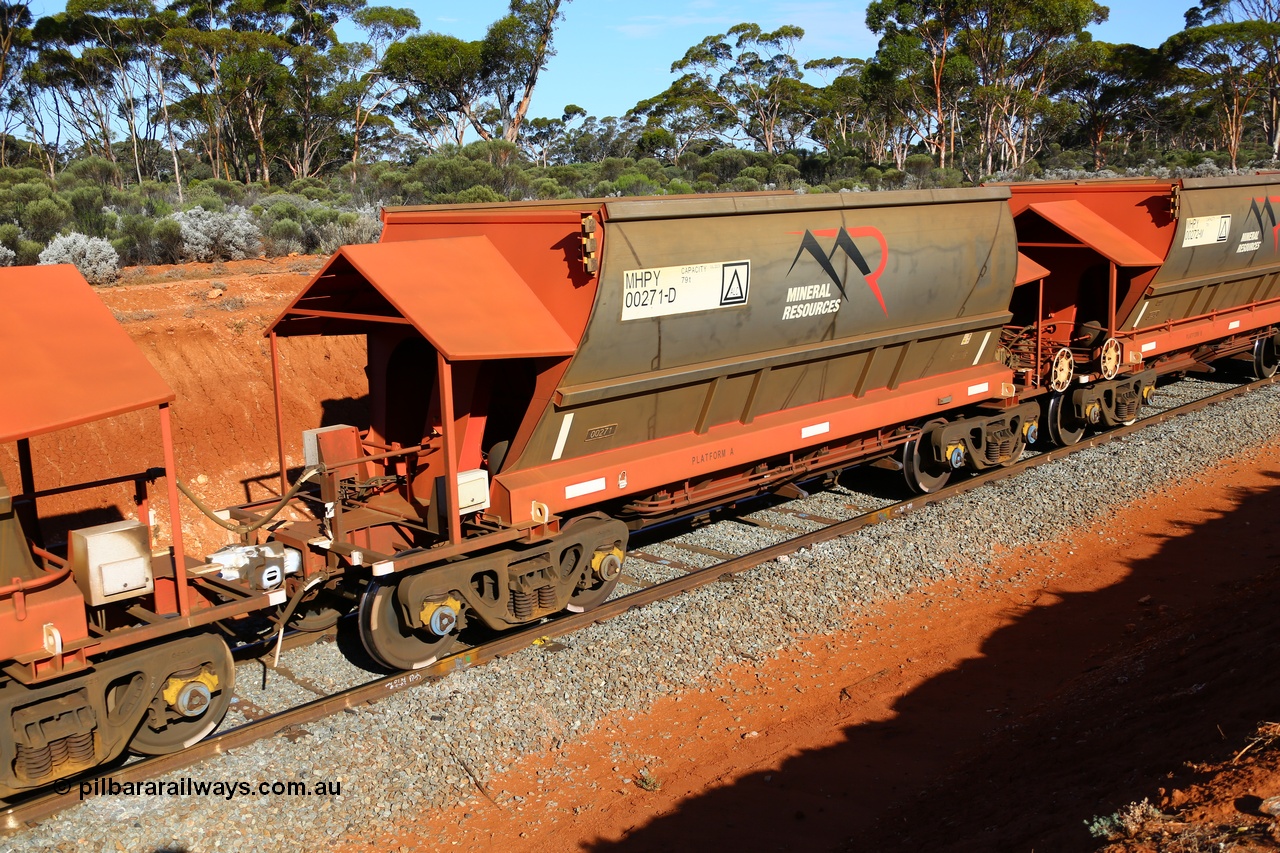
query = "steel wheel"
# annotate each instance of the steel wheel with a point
(204, 709)
(603, 573)
(1265, 358)
(323, 607)
(1065, 429)
(1062, 370)
(591, 597)
(922, 474)
(392, 642)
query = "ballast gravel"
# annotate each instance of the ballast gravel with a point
(436, 744)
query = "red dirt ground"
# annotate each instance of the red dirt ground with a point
(1133, 662)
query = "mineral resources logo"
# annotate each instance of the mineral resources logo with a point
(815, 300)
(1259, 207)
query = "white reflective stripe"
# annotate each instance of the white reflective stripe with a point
(816, 429)
(1140, 313)
(1148, 346)
(277, 596)
(981, 347)
(577, 490)
(382, 567)
(980, 388)
(1234, 324)
(564, 435)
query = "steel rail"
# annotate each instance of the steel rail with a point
(66, 792)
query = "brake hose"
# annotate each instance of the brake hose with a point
(243, 529)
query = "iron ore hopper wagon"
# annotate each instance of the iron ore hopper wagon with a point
(107, 637)
(545, 378)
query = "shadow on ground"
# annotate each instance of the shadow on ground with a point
(1077, 706)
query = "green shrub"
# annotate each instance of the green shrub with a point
(635, 184)
(232, 191)
(134, 242)
(93, 170)
(10, 236)
(44, 217)
(166, 241)
(949, 178)
(651, 169)
(919, 166)
(478, 194)
(283, 210)
(784, 175)
(724, 164)
(29, 252)
(612, 167)
(312, 188)
(205, 199)
(546, 188)
(24, 194)
(86, 210)
(285, 229)
(321, 215)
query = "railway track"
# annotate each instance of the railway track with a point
(688, 575)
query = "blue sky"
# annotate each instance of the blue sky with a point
(612, 53)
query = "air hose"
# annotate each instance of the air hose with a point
(244, 529)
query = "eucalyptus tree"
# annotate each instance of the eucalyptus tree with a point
(1221, 36)
(313, 56)
(515, 50)
(200, 37)
(1022, 52)
(918, 48)
(1116, 84)
(365, 87)
(839, 112)
(750, 73)
(15, 53)
(442, 79)
(682, 115)
(1228, 60)
(120, 38)
(86, 59)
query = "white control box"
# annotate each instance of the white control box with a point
(311, 447)
(112, 562)
(473, 490)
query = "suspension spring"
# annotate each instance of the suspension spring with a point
(34, 762)
(58, 750)
(80, 747)
(522, 603)
(546, 597)
(999, 446)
